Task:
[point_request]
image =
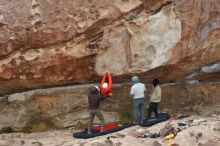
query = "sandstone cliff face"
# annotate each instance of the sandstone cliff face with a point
(55, 42)
(68, 106)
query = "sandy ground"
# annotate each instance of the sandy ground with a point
(201, 131)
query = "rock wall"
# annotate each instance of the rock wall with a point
(56, 43)
(68, 106)
(53, 42)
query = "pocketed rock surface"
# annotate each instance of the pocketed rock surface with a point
(53, 42)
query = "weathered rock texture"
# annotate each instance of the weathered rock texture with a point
(210, 72)
(68, 106)
(201, 132)
(56, 42)
(64, 106)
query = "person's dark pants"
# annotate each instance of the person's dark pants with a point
(152, 108)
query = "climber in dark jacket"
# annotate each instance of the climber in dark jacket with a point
(94, 99)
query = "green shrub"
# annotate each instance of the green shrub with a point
(125, 118)
(81, 125)
(38, 124)
(6, 130)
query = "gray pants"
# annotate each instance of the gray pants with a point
(138, 109)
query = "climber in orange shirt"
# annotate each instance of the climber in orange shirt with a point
(106, 88)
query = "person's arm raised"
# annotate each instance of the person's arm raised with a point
(103, 79)
(109, 82)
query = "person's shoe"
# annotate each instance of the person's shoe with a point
(136, 122)
(148, 118)
(141, 122)
(101, 130)
(89, 132)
